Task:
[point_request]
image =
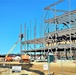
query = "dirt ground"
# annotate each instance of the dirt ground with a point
(58, 68)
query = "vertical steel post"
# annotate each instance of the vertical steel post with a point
(25, 35)
(65, 53)
(30, 37)
(27, 38)
(48, 64)
(70, 28)
(20, 39)
(35, 38)
(62, 72)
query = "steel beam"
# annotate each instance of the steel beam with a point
(46, 8)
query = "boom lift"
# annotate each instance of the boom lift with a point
(9, 58)
(24, 57)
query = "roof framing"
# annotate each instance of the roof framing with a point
(68, 18)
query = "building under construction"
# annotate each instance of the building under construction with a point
(61, 41)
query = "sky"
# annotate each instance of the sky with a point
(14, 13)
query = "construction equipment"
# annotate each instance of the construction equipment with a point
(9, 58)
(25, 58)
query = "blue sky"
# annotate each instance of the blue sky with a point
(16, 12)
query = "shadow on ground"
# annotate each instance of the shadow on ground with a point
(24, 74)
(35, 71)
